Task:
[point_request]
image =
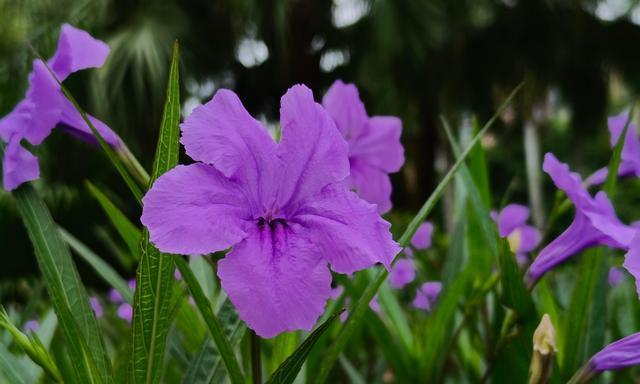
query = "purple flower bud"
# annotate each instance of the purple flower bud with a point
(31, 326)
(422, 238)
(125, 312)
(115, 296)
(96, 306)
(427, 295)
(402, 273)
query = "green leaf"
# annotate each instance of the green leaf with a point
(207, 366)
(11, 369)
(514, 293)
(439, 330)
(103, 269)
(70, 300)
(152, 300)
(129, 233)
(357, 313)
(287, 372)
(585, 323)
(352, 373)
(215, 328)
(398, 321)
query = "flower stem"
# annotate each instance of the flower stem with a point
(256, 364)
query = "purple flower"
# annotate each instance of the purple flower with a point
(632, 261)
(282, 207)
(374, 144)
(620, 354)
(115, 296)
(125, 312)
(595, 222)
(402, 273)
(512, 224)
(615, 276)
(422, 238)
(375, 305)
(96, 306)
(630, 157)
(31, 326)
(45, 107)
(427, 295)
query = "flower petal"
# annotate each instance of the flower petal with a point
(223, 134)
(371, 184)
(72, 122)
(312, 151)
(194, 210)
(528, 238)
(580, 235)
(77, 50)
(511, 217)
(18, 165)
(402, 273)
(348, 230)
(277, 280)
(422, 238)
(620, 354)
(343, 104)
(379, 144)
(632, 261)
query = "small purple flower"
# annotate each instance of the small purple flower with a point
(375, 305)
(115, 296)
(422, 238)
(125, 312)
(512, 224)
(374, 144)
(615, 276)
(45, 106)
(630, 157)
(595, 222)
(96, 306)
(177, 275)
(427, 295)
(282, 207)
(337, 292)
(402, 273)
(31, 326)
(620, 354)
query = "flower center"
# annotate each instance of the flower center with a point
(271, 220)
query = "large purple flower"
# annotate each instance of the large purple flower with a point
(630, 156)
(374, 144)
(512, 224)
(45, 107)
(595, 222)
(282, 207)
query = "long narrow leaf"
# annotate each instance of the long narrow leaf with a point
(69, 297)
(203, 304)
(103, 269)
(152, 308)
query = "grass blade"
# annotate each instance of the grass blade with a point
(152, 308)
(103, 269)
(357, 313)
(287, 372)
(129, 233)
(215, 328)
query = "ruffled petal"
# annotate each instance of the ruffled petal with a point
(343, 104)
(511, 217)
(276, 279)
(194, 210)
(422, 238)
(379, 144)
(18, 165)
(77, 50)
(632, 261)
(371, 184)
(223, 134)
(312, 151)
(350, 233)
(72, 122)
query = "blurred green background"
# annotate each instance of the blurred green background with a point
(415, 59)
